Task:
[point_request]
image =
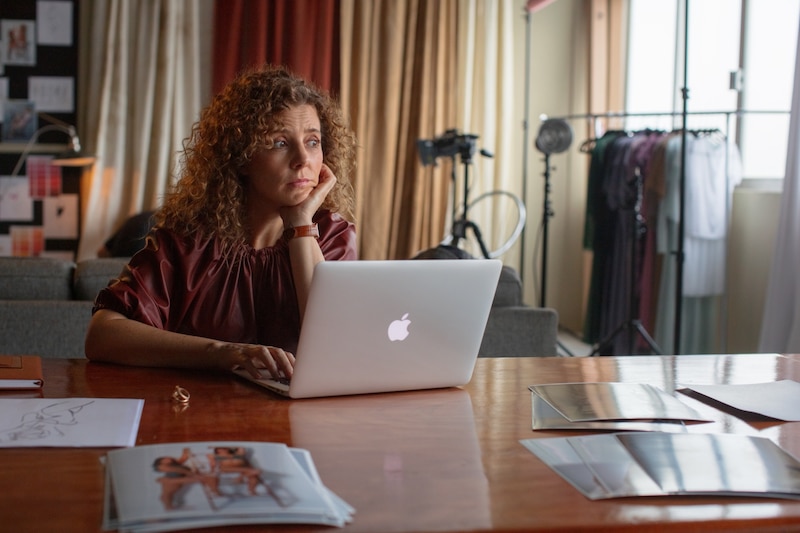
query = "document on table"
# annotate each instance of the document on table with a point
(661, 464)
(775, 399)
(69, 422)
(609, 406)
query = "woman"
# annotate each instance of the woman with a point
(264, 196)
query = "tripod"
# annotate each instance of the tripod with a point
(462, 224)
(633, 325)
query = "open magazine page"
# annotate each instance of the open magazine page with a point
(614, 402)
(165, 487)
(663, 464)
(716, 464)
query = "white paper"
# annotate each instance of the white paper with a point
(5, 245)
(15, 199)
(69, 422)
(55, 23)
(3, 89)
(54, 94)
(61, 216)
(775, 399)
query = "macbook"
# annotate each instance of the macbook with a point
(384, 326)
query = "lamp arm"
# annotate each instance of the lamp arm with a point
(69, 130)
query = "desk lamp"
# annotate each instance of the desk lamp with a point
(73, 157)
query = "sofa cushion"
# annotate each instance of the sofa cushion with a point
(94, 274)
(509, 289)
(521, 332)
(35, 278)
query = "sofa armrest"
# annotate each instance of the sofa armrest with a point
(520, 331)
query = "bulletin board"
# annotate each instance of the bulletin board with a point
(40, 205)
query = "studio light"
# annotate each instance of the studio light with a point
(555, 136)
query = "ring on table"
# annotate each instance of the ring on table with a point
(180, 394)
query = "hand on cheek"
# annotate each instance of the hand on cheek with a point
(303, 212)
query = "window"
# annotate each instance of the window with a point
(741, 56)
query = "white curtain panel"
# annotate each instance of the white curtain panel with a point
(491, 49)
(780, 328)
(141, 76)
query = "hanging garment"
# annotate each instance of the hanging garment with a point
(713, 170)
(709, 185)
(596, 234)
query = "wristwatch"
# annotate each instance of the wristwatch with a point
(312, 230)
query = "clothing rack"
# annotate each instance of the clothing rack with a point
(596, 122)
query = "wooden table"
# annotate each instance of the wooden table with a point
(444, 460)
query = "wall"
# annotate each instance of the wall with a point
(39, 207)
(559, 86)
(754, 225)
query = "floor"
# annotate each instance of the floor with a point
(570, 344)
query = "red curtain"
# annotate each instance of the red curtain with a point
(300, 34)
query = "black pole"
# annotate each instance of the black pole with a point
(525, 138)
(681, 207)
(545, 220)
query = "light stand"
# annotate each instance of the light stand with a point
(453, 144)
(555, 136)
(679, 256)
(547, 213)
(462, 224)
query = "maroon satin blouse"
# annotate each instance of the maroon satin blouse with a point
(186, 286)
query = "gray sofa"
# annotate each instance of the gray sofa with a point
(515, 329)
(46, 303)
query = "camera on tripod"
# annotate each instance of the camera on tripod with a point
(447, 144)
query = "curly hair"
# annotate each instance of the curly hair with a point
(209, 197)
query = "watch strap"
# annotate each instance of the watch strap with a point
(311, 230)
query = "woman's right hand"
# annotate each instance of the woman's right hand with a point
(255, 357)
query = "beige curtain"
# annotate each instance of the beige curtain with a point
(140, 60)
(398, 85)
(412, 69)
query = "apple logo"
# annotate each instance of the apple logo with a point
(398, 329)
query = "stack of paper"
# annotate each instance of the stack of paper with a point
(609, 406)
(164, 487)
(659, 464)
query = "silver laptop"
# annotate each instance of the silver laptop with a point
(384, 326)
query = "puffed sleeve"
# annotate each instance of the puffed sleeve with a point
(337, 237)
(143, 290)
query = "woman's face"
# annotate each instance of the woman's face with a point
(285, 173)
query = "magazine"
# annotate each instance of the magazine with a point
(166, 487)
(620, 465)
